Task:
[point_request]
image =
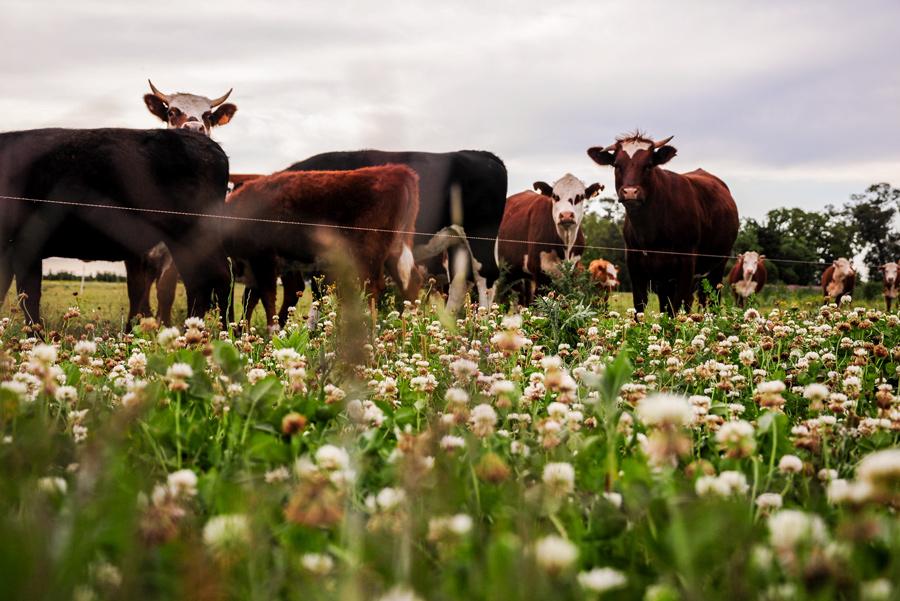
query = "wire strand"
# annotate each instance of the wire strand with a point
(382, 230)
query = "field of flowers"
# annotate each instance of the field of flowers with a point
(567, 452)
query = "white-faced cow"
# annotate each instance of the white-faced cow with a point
(679, 228)
(748, 276)
(114, 194)
(540, 230)
(605, 276)
(889, 277)
(838, 280)
(179, 111)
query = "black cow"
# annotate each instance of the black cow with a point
(148, 170)
(481, 177)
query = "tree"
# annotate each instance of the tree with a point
(602, 226)
(872, 215)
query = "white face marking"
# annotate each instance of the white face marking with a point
(612, 273)
(750, 262)
(550, 263)
(745, 288)
(190, 105)
(525, 264)
(632, 146)
(567, 189)
(890, 272)
(405, 265)
(842, 269)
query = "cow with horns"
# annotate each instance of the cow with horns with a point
(679, 228)
(190, 112)
(748, 276)
(540, 230)
(889, 278)
(838, 280)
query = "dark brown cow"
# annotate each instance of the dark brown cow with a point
(889, 278)
(838, 280)
(605, 276)
(748, 276)
(671, 221)
(539, 231)
(370, 213)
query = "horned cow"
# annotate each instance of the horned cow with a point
(838, 280)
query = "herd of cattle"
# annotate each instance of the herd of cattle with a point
(165, 203)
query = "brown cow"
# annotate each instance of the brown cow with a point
(889, 277)
(748, 276)
(606, 277)
(372, 211)
(540, 230)
(838, 280)
(673, 222)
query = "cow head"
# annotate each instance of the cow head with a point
(842, 269)
(750, 261)
(604, 273)
(633, 159)
(189, 111)
(568, 195)
(889, 272)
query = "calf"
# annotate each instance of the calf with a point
(540, 230)
(606, 277)
(838, 280)
(368, 213)
(748, 276)
(889, 276)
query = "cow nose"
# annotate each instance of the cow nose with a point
(567, 218)
(192, 125)
(630, 193)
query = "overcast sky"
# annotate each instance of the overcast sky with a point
(791, 103)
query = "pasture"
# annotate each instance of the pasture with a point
(570, 452)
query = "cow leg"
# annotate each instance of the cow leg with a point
(639, 292)
(293, 284)
(265, 273)
(137, 282)
(166, 286)
(887, 300)
(6, 275)
(28, 282)
(683, 287)
(249, 301)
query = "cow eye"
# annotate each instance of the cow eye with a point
(207, 115)
(173, 112)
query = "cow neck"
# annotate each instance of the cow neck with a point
(652, 215)
(569, 238)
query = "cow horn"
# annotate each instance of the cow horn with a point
(610, 147)
(157, 93)
(220, 99)
(662, 143)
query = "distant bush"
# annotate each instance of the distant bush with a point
(101, 276)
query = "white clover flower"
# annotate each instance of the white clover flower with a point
(389, 498)
(555, 554)
(179, 371)
(256, 374)
(85, 347)
(790, 464)
(664, 409)
(19, 389)
(456, 396)
(601, 580)
(53, 485)
(768, 501)
(483, 418)
(789, 528)
(319, 564)
(881, 468)
(557, 410)
(223, 534)
(194, 322)
(45, 353)
(559, 478)
(400, 593)
(182, 483)
(816, 392)
(451, 443)
(771, 387)
(66, 394)
(502, 388)
(330, 457)
(167, 336)
(876, 590)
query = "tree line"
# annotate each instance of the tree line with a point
(864, 226)
(101, 276)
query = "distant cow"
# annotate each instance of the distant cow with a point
(540, 230)
(142, 175)
(838, 280)
(368, 212)
(605, 276)
(889, 277)
(179, 111)
(679, 228)
(481, 178)
(748, 276)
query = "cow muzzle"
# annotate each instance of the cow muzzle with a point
(566, 219)
(196, 126)
(630, 193)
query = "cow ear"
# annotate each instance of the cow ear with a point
(762, 258)
(593, 190)
(881, 268)
(664, 154)
(544, 188)
(223, 114)
(156, 106)
(600, 157)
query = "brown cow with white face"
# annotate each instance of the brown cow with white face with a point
(679, 227)
(889, 276)
(748, 276)
(838, 280)
(606, 277)
(190, 111)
